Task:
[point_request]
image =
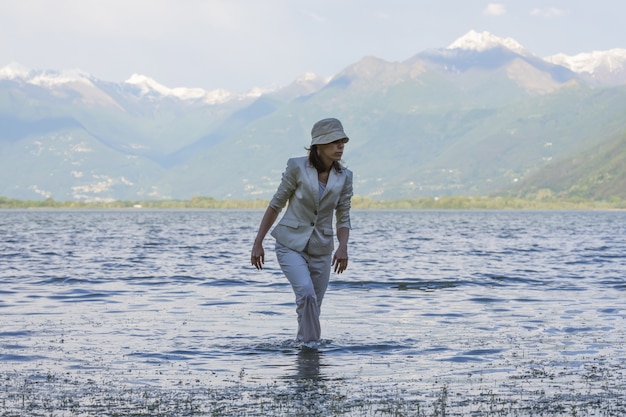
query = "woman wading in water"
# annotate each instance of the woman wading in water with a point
(316, 186)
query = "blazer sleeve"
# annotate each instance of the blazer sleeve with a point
(287, 186)
(342, 212)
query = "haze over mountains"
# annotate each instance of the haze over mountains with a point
(480, 117)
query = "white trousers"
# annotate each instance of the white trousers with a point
(309, 276)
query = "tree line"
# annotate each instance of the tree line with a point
(366, 203)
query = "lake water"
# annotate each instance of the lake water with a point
(447, 312)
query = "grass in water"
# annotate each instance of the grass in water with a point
(529, 391)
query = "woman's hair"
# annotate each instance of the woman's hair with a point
(316, 161)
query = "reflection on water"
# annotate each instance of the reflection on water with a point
(167, 298)
(308, 364)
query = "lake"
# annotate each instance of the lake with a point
(157, 312)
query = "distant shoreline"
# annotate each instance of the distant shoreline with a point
(364, 203)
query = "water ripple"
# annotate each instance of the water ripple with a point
(428, 294)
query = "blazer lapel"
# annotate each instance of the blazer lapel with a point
(313, 182)
(333, 177)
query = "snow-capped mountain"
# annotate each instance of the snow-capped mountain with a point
(50, 78)
(13, 71)
(482, 41)
(148, 86)
(611, 60)
(141, 85)
(598, 67)
(604, 67)
(487, 53)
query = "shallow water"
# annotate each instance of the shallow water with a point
(473, 301)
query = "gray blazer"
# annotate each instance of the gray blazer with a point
(307, 223)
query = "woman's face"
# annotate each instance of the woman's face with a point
(331, 152)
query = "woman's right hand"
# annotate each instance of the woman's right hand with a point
(257, 258)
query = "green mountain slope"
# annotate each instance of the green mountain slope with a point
(405, 146)
(439, 124)
(598, 173)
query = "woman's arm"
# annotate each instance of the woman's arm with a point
(340, 260)
(257, 257)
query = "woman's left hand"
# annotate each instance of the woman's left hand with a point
(340, 260)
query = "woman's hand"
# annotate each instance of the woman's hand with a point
(340, 260)
(257, 258)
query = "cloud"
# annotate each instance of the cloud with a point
(548, 12)
(318, 18)
(494, 9)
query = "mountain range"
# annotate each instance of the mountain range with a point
(483, 116)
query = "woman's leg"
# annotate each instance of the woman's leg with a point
(319, 266)
(306, 275)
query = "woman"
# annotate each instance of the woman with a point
(314, 186)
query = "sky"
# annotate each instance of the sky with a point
(238, 45)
